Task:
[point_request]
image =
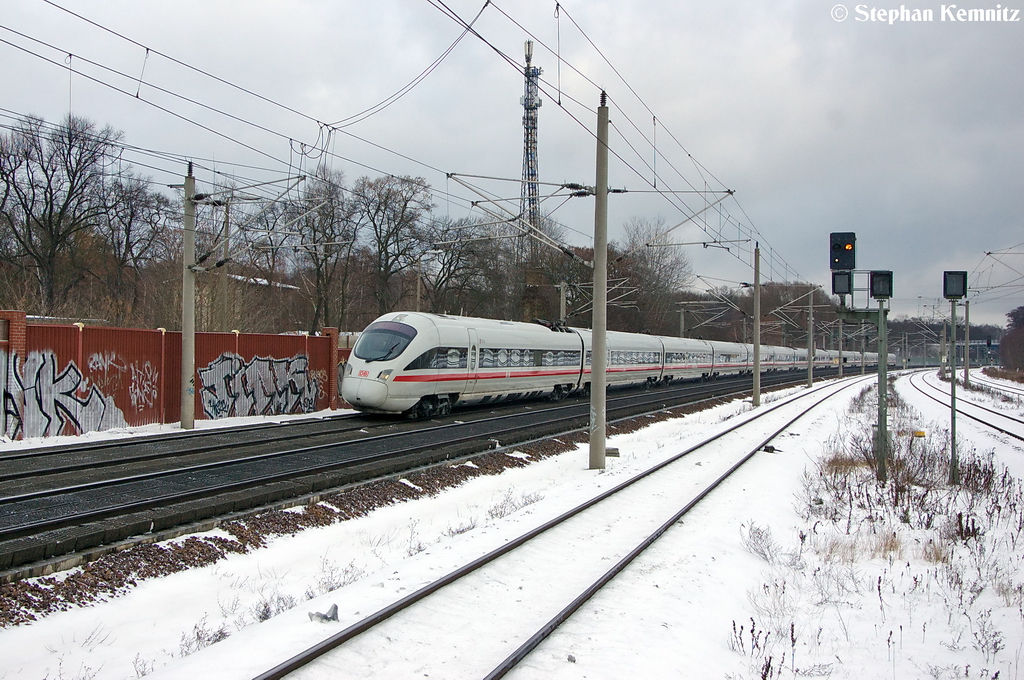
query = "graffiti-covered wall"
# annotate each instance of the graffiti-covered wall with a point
(231, 386)
(44, 399)
(64, 380)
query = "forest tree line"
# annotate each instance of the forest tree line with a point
(86, 236)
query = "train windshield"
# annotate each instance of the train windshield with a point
(383, 340)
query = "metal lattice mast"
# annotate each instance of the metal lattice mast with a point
(530, 203)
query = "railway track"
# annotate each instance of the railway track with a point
(57, 502)
(989, 417)
(43, 466)
(47, 467)
(1001, 387)
(571, 551)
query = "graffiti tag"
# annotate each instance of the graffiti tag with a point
(263, 386)
(144, 388)
(39, 401)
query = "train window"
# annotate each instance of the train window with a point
(559, 358)
(440, 357)
(500, 358)
(383, 340)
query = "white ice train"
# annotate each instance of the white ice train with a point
(425, 364)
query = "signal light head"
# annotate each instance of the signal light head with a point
(954, 285)
(844, 252)
(881, 285)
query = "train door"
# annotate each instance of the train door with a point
(473, 363)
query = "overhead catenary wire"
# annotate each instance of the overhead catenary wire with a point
(468, 28)
(702, 170)
(440, 5)
(321, 125)
(326, 133)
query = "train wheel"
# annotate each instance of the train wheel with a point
(424, 409)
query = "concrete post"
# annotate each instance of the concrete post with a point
(943, 356)
(882, 433)
(562, 311)
(810, 340)
(188, 307)
(954, 461)
(840, 348)
(599, 361)
(756, 398)
(222, 281)
(863, 351)
(967, 344)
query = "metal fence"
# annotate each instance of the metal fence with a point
(71, 379)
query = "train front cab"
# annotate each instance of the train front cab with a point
(381, 354)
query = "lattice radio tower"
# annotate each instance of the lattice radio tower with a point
(530, 203)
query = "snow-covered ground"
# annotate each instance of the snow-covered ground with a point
(768, 578)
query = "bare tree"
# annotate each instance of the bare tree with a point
(458, 268)
(1011, 345)
(393, 210)
(327, 236)
(53, 194)
(656, 270)
(133, 231)
(264, 286)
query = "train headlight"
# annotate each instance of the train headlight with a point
(384, 375)
(348, 369)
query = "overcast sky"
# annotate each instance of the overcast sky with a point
(909, 134)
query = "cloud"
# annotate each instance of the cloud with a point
(909, 134)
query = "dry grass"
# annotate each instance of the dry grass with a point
(842, 463)
(887, 544)
(880, 549)
(936, 552)
(1002, 373)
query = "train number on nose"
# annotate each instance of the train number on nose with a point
(364, 374)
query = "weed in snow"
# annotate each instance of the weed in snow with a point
(874, 556)
(141, 666)
(332, 577)
(415, 545)
(511, 503)
(201, 636)
(269, 606)
(461, 528)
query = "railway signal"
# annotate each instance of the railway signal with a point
(842, 283)
(843, 250)
(954, 287)
(881, 285)
(843, 262)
